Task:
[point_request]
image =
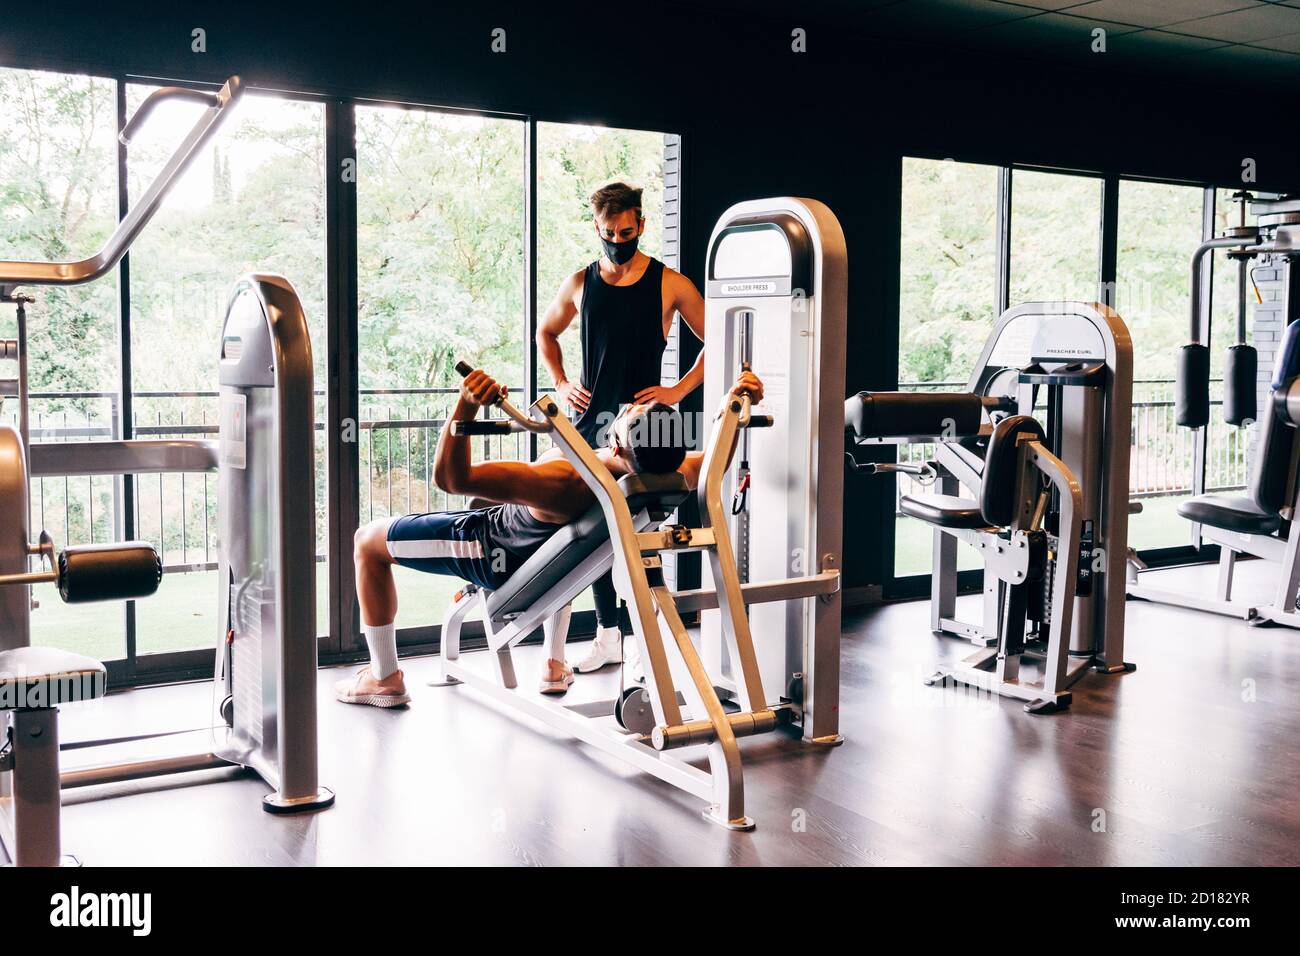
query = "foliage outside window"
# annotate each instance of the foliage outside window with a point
(58, 201)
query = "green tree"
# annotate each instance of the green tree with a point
(58, 202)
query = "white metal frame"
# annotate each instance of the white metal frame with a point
(994, 668)
(799, 464)
(1284, 555)
(272, 728)
(655, 610)
(1277, 234)
(1101, 630)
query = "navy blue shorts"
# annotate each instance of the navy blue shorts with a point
(446, 542)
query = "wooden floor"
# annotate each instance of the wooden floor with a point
(1171, 764)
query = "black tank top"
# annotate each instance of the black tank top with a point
(622, 343)
(514, 528)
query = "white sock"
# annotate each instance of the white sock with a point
(556, 629)
(382, 641)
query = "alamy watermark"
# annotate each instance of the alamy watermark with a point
(39, 693)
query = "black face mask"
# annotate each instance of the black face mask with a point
(620, 252)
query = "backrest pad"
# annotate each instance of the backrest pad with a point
(998, 502)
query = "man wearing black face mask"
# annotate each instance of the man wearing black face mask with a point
(627, 301)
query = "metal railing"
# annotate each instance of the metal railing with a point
(1161, 462)
(397, 436)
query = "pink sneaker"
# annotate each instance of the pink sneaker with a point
(559, 686)
(364, 689)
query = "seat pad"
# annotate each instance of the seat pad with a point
(649, 498)
(32, 677)
(1230, 513)
(946, 511)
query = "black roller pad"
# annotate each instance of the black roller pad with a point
(946, 415)
(108, 572)
(1192, 387)
(1240, 367)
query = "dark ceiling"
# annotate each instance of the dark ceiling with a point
(1218, 42)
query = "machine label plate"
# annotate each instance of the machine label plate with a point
(749, 287)
(234, 430)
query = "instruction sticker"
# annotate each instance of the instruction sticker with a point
(234, 430)
(775, 392)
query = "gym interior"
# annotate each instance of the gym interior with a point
(991, 568)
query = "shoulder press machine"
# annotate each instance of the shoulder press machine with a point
(625, 530)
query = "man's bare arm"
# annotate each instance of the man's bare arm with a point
(551, 489)
(689, 304)
(559, 315)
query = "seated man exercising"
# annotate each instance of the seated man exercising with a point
(486, 545)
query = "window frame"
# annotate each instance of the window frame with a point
(902, 587)
(343, 642)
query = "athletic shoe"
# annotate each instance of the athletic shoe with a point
(364, 689)
(606, 649)
(633, 672)
(560, 686)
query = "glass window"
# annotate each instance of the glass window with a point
(572, 162)
(1159, 229)
(440, 215)
(1227, 446)
(253, 200)
(58, 201)
(947, 297)
(1055, 237)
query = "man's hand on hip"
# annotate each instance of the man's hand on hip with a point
(666, 394)
(573, 395)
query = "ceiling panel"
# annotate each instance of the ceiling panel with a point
(1158, 13)
(1049, 4)
(1154, 44)
(939, 19)
(1055, 32)
(1290, 44)
(1242, 26)
(1244, 62)
(1220, 42)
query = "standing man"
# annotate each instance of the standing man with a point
(626, 301)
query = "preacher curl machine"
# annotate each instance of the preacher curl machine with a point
(1048, 511)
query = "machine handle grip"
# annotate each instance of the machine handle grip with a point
(518, 421)
(924, 471)
(484, 427)
(760, 421)
(157, 96)
(17, 273)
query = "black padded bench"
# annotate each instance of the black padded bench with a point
(1230, 513)
(650, 498)
(996, 507)
(945, 511)
(1267, 491)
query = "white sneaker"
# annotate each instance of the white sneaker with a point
(606, 649)
(633, 672)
